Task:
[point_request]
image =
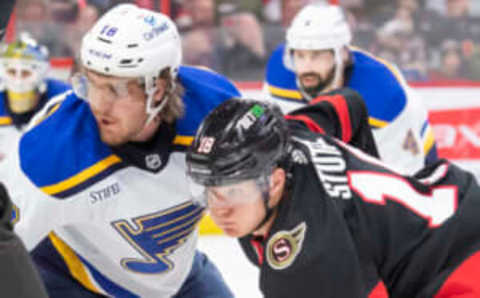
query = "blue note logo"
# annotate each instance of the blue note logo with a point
(156, 236)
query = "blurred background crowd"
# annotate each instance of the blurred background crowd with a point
(429, 40)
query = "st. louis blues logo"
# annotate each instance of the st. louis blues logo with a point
(284, 246)
(157, 235)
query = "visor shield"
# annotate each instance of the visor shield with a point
(86, 89)
(228, 195)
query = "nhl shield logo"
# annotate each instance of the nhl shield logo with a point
(284, 246)
(153, 161)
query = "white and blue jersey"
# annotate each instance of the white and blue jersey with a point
(121, 230)
(396, 114)
(11, 124)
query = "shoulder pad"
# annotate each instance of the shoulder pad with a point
(281, 82)
(63, 154)
(381, 85)
(204, 90)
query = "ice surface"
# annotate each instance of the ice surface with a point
(238, 272)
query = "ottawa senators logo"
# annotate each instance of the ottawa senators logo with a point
(284, 246)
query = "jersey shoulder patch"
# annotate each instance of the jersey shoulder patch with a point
(63, 154)
(203, 91)
(381, 85)
(280, 81)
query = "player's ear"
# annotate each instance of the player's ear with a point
(277, 185)
(161, 88)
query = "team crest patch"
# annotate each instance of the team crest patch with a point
(284, 246)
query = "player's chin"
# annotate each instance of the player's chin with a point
(310, 83)
(234, 232)
(112, 138)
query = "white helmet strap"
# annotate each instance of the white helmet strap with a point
(150, 89)
(338, 56)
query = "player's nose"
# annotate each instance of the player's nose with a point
(220, 210)
(100, 103)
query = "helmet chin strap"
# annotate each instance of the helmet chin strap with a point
(152, 112)
(268, 211)
(265, 198)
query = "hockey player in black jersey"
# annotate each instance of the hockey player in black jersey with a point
(322, 219)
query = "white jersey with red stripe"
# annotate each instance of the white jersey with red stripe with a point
(396, 113)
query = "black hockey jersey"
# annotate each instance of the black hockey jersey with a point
(347, 221)
(342, 114)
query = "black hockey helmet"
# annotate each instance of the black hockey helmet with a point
(241, 139)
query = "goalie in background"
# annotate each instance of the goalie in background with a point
(18, 275)
(25, 87)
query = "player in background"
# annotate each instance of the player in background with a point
(321, 218)
(25, 88)
(99, 178)
(18, 275)
(317, 58)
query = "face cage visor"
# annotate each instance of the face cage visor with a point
(230, 194)
(22, 79)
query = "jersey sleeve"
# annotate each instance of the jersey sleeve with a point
(19, 276)
(35, 213)
(419, 231)
(341, 114)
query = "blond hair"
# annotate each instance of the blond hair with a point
(174, 108)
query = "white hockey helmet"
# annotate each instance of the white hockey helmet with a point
(318, 26)
(132, 42)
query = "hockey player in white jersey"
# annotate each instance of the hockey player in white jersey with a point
(317, 58)
(25, 88)
(98, 180)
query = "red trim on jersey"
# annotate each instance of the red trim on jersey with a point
(11, 27)
(341, 107)
(257, 245)
(463, 282)
(308, 121)
(380, 291)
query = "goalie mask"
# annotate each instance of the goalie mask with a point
(235, 151)
(24, 67)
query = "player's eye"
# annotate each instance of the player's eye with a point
(12, 72)
(113, 90)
